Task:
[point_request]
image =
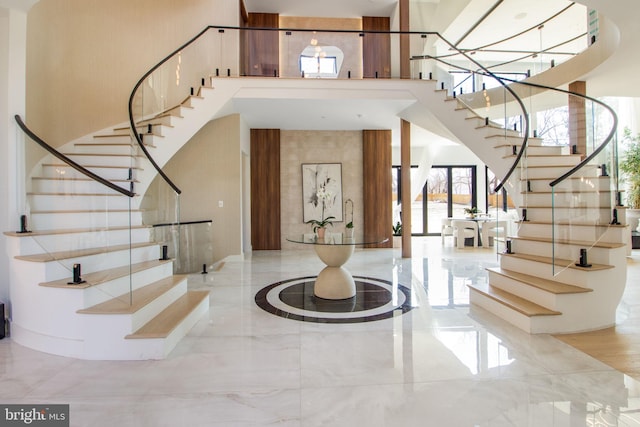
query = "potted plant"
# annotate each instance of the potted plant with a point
(319, 226)
(349, 227)
(629, 165)
(471, 212)
(397, 234)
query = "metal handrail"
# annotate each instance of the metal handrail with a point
(138, 138)
(68, 161)
(599, 149)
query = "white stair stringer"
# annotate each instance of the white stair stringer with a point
(79, 221)
(202, 109)
(539, 288)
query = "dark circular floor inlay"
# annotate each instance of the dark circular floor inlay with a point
(367, 296)
(375, 299)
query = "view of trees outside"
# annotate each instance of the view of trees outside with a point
(552, 125)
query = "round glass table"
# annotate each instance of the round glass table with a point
(334, 281)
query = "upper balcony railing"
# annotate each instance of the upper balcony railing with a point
(223, 51)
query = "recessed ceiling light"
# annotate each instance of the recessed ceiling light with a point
(521, 15)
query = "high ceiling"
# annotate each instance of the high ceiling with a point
(462, 21)
(324, 8)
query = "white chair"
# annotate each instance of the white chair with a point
(491, 230)
(447, 229)
(464, 229)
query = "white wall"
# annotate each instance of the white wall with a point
(13, 26)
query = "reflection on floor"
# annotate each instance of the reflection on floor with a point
(439, 364)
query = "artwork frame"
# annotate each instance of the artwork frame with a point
(324, 179)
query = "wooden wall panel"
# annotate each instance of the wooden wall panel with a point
(265, 189)
(262, 55)
(376, 48)
(376, 165)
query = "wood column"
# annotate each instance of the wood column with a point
(578, 118)
(262, 48)
(265, 189)
(405, 41)
(376, 178)
(376, 48)
(405, 168)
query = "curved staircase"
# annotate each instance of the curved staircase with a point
(131, 306)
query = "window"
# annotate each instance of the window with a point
(317, 66)
(320, 61)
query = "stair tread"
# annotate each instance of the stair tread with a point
(130, 155)
(573, 177)
(558, 262)
(81, 211)
(105, 144)
(530, 206)
(68, 178)
(98, 277)
(64, 165)
(60, 255)
(555, 166)
(573, 223)
(583, 243)
(142, 126)
(521, 305)
(44, 193)
(564, 156)
(569, 191)
(130, 303)
(70, 231)
(165, 322)
(540, 283)
(112, 135)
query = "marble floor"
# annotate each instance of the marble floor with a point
(438, 364)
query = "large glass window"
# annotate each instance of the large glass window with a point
(447, 191)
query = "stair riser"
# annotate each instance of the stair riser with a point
(578, 277)
(545, 150)
(119, 136)
(41, 202)
(552, 161)
(515, 139)
(111, 146)
(74, 186)
(169, 121)
(563, 323)
(57, 270)
(116, 326)
(568, 252)
(572, 186)
(118, 161)
(71, 220)
(500, 310)
(123, 285)
(566, 200)
(523, 290)
(145, 349)
(554, 172)
(582, 215)
(574, 232)
(108, 173)
(76, 241)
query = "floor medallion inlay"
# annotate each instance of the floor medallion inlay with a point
(375, 299)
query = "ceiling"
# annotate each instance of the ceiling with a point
(324, 8)
(452, 18)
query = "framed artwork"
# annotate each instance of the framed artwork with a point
(321, 191)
